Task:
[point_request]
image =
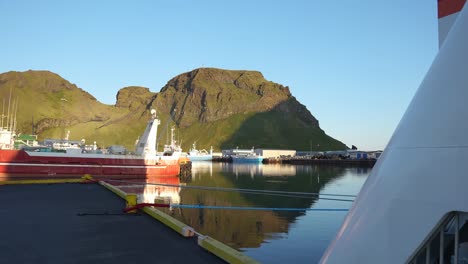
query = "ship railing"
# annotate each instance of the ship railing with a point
(447, 243)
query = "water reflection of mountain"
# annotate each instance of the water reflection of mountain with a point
(248, 229)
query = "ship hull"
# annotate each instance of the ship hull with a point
(200, 157)
(22, 164)
(257, 159)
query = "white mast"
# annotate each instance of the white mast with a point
(146, 145)
(3, 112)
(15, 115)
(8, 115)
(172, 136)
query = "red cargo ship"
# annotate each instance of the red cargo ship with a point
(144, 163)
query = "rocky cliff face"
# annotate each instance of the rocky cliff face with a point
(214, 107)
(134, 97)
(208, 95)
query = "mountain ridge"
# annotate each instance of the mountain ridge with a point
(210, 106)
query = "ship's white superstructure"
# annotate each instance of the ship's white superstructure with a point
(412, 208)
(146, 145)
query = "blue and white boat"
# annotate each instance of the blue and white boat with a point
(246, 156)
(200, 155)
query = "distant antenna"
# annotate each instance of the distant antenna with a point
(165, 127)
(32, 124)
(16, 113)
(8, 115)
(3, 111)
(12, 117)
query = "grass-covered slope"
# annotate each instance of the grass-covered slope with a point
(212, 107)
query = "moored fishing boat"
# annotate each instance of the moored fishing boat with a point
(246, 156)
(144, 163)
(199, 155)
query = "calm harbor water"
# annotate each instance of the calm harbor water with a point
(267, 236)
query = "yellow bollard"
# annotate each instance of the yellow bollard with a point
(87, 177)
(131, 200)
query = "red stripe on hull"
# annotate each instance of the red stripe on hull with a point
(17, 163)
(448, 7)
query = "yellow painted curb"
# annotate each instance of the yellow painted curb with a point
(170, 221)
(222, 251)
(85, 178)
(44, 181)
(211, 245)
(113, 189)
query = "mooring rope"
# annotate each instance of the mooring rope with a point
(249, 191)
(196, 206)
(246, 208)
(271, 194)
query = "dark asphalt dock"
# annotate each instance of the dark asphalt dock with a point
(84, 223)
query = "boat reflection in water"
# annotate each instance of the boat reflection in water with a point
(253, 169)
(202, 168)
(149, 190)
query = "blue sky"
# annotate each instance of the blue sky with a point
(354, 64)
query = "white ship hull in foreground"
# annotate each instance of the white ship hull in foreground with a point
(413, 207)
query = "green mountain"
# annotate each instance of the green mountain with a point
(213, 107)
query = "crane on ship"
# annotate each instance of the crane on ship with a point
(171, 118)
